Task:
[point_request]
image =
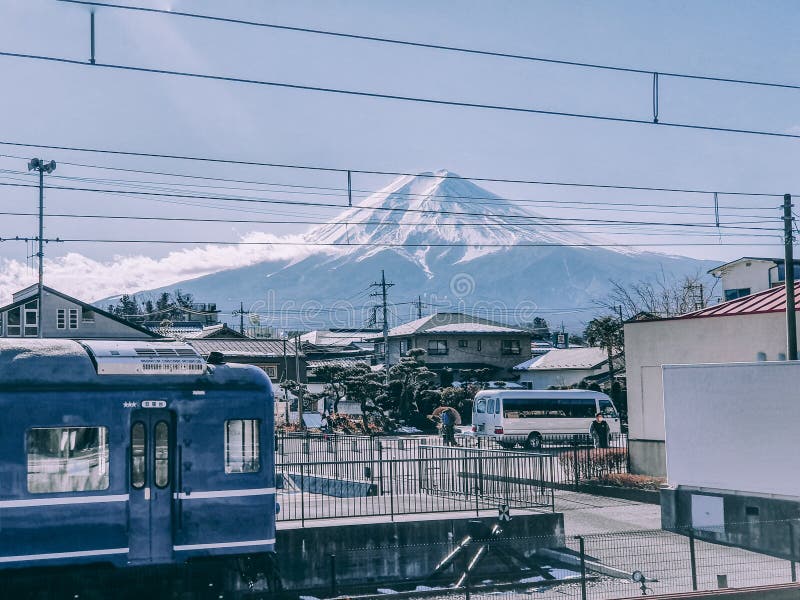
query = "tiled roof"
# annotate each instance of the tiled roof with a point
(768, 301)
(566, 358)
(472, 328)
(450, 323)
(339, 362)
(248, 348)
(341, 337)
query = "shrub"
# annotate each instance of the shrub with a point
(629, 480)
(594, 463)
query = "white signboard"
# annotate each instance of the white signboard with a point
(733, 426)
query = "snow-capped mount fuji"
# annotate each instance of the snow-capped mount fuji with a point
(419, 215)
(448, 240)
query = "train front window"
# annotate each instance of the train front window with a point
(67, 459)
(138, 456)
(161, 449)
(242, 446)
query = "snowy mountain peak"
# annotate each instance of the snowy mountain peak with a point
(437, 212)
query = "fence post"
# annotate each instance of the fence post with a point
(380, 466)
(302, 495)
(576, 467)
(583, 566)
(477, 484)
(552, 483)
(627, 451)
(391, 490)
(792, 551)
(333, 575)
(468, 584)
(693, 557)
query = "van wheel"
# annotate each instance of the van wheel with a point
(507, 445)
(534, 441)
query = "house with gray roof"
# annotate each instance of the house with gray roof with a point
(460, 342)
(564, 367)
(62, 316)
(278, 358)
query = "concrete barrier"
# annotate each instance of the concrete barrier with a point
(405, 550)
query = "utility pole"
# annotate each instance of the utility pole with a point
(788, 263)
(240, 312)
(37, 164)
(419, 307)
(385, 306)
(297, 378)
(283, 379)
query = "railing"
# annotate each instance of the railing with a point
(339, 476)
(394, 477)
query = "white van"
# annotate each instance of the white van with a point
(524, 417)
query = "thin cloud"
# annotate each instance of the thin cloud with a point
(91, 280)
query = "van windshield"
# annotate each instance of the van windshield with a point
(528, 408)
(607, 409)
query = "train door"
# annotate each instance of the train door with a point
(151, 485)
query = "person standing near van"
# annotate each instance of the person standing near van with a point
(448, 428)
(600, 431)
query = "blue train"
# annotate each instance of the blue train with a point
(134, 454)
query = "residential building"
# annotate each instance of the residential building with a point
(460, 342)
(564, 367)
(751, 328)
(748, 275)
(63, 316)
(276, 357)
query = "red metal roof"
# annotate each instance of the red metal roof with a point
(768, 301)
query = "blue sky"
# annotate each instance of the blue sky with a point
(74, 105)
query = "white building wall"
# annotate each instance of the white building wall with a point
(651, 344)
(751, 274)
(733, 427)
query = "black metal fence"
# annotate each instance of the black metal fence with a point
(333, 475)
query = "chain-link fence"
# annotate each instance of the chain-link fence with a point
(495, 564)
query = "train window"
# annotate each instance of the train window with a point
(161, 449)
(242, 446)
(138, 456)
(67, 459)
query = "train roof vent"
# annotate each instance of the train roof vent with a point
(144, 358)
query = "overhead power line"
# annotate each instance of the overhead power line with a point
(432, 46)
(482, 225)
(389, 244)
(489, 200)
(341, 170)
(397, 97)
(511, 219)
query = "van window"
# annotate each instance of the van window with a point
(578, 408)
(497, 406)
(607, 409)
(526, 408)
(480, 406)
(490, 406)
